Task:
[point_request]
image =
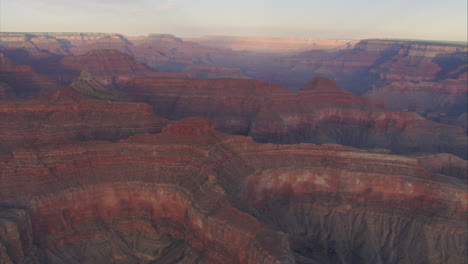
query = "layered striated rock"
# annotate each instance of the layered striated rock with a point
(380, 62)
(169, 53)
(446, 164)
(343, 206)
(148, 199)
(167, 198)
(64, 43)
(443, 101)
(321, 112)
(109, 67)
(22, 81)
(83, 110)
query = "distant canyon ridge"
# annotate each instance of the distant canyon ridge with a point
(425, 77)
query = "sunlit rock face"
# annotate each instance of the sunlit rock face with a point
(320, 112)
(194, 195)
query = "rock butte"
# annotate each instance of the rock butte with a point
(320, 112)
(167, 197)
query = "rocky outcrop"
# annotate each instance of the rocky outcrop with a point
(190, 195)
(83, 110)
(321, 113)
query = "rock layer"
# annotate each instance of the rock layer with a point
(321, 112)
(148, 198)
(83, 110)
(166, 198)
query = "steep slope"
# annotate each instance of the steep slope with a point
(83, 110)
(166, 198)
(321, 112)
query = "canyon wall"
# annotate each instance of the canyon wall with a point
(321, 112)
(193, 195)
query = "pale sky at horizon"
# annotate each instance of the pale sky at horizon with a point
(338, 19)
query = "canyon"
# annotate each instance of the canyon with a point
(320, 112)
(189, 194)
(380, 69)
(159, 149)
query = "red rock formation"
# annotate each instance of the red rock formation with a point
(84, 110)
(167, 198)
(155, 192)
(320, 112)
(23, 81)
(443, 100)
(109, 67)
(169, 53)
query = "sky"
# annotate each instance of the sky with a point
(336, 19)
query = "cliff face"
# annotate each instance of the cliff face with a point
(167, 198)
(84, 110)
(320, 112)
